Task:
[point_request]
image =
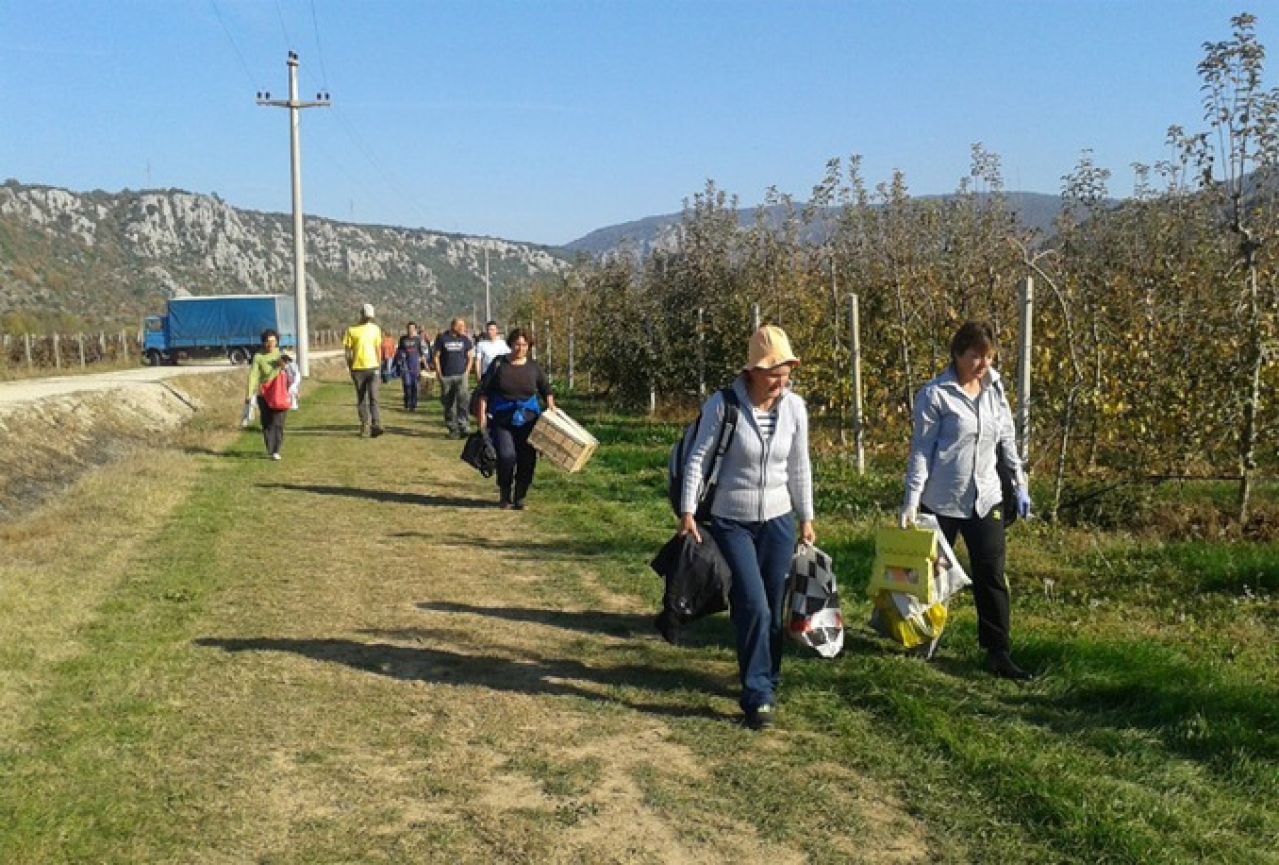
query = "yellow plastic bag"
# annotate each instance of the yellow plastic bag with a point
(909, 631)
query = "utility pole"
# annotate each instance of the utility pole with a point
(488, 308)
(299, 239)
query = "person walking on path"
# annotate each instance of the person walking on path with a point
(508, 410)
(268, 363)
(454, 360)
(490, 347)
(962, 426)
(363, 346)
(411, 357)
(765, 480)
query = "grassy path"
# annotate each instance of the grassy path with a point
(352, 656)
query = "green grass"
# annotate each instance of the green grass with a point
(1153, 735)
(415, 678)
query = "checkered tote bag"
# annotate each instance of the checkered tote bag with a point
(811, 612)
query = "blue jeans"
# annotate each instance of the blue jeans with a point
(759, 555)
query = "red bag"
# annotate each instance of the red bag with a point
(276, 393)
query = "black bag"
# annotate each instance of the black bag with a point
(697, 582)
(710, 471)
(478, 452)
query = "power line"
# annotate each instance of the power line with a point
(319, 53)
(244, 64)
(288, 40)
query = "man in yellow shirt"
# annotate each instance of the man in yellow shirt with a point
(363, 345)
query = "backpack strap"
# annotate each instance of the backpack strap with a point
(723, 440)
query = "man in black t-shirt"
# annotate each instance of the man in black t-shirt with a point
(454, 358)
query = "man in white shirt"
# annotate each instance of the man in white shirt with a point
(492, 346)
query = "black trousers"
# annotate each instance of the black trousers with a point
(516, 458)
(984, 538)
(272, 426)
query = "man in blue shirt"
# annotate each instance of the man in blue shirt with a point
(454, 359)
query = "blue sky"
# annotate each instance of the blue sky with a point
(541, 121)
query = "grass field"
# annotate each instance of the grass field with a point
(351, 656)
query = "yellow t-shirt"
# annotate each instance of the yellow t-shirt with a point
(364, 342)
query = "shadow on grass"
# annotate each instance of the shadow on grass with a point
(566, 549)
(586, 621)
(383, 496)
(536, 676)
(1192, 709)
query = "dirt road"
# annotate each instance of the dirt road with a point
(35, 389)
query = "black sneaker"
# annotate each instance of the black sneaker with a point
(760, 718)
(1002, 665)
(377, 431)
(518, 504)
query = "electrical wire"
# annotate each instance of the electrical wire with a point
(288, 40)
(244, 64)
(319, 53)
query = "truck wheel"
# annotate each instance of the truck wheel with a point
(239, 355)
(155, 357)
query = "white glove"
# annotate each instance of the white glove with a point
(909, 516)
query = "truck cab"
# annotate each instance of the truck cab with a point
(155, 348)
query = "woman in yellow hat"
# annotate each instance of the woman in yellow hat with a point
(764, 482)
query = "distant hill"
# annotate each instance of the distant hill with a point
(1036, 211)
(112, 257)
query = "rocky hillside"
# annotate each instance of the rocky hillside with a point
(110, 258)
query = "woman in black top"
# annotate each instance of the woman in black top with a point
(508, 409)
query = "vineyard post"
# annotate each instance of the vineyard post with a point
(546, 327)
(124, 345)
(79, 338)
(26, 344)
(57, 352)
(754, 317)
(855, 348)
(572, 349)
(1023, 368)
(102, 345)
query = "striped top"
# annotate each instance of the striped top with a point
(767, 421)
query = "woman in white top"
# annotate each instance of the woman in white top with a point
(765, 479)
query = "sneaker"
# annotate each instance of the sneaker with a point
(1002, 665)
(518, 504)
(760, 718)
(377, 431)
(275, 456)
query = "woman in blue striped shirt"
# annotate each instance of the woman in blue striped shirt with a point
(961, 418)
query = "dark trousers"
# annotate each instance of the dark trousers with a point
(516, 458)
(367, 382)
(759, 555)
(272, 426)
(412, 382)
(984, 538)
(455, 396)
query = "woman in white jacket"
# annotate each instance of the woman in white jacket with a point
(765, 479)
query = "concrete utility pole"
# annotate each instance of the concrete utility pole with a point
(299, 239)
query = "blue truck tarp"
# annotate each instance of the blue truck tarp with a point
(229, 320)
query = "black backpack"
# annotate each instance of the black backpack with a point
(710, 471)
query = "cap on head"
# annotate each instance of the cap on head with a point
(769, 347)
(367, 310)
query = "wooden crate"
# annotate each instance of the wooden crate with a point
(562, 440)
